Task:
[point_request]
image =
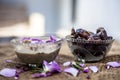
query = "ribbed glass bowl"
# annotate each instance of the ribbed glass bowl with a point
(90, 51)
(36, 53)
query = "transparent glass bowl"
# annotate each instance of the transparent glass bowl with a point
(90, 51)
(36, 53)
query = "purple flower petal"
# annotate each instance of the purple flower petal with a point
(93, 68)
(49, 41)
(48, 68)
(68, 63)
(113, 64)
(8, 72)
(26, 38)
(37, 75)
(82, 65)
(51, 67)
(36, 41)
(16, 76)
(52, 38)
(72, 71)
(86, 70)
(19, 71)
(8, 61)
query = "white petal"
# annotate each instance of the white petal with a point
(72, 71)
(66, 63)
(8, 72)
(93, 68)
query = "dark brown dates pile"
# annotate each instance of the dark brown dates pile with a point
(100, 34)
(88, 45)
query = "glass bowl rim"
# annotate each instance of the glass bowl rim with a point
(17, 40)
(68, 38)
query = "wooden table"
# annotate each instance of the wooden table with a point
(7, 52)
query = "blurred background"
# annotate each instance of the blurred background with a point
(39, 17)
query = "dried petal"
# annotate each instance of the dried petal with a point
(51, 67)
(86, 70)
(72, 71)
(68, 63)
(113, 64)
(8, 72)
(93, 68)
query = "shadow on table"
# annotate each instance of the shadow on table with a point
(63, 58)
(110, 58)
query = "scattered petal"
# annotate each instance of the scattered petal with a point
(8, 61)
(113, 64)
(8, 72)
(82, 65)
(16, 76)
(19, 71)
(93, 68)
(51, 67)
(108, 67)
(37, 75)
(68, 63)
(72, 71)
(86, 70)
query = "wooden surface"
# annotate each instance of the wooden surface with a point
(7, 52)
(12, 14)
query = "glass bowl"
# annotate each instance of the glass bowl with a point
(35, 53)
(90, 51)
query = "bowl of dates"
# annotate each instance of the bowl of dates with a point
(89, 46)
